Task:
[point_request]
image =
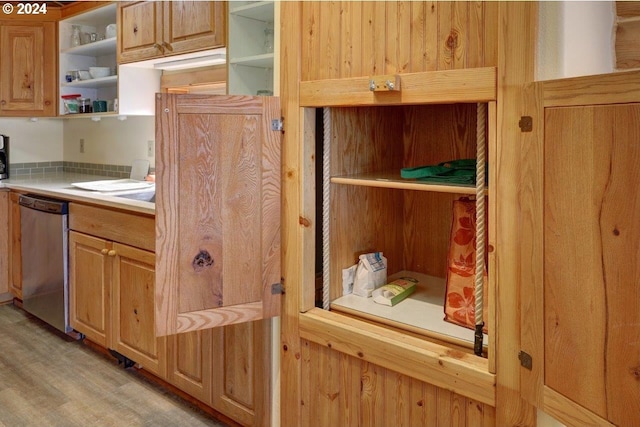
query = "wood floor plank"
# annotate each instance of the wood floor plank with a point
(47, 379)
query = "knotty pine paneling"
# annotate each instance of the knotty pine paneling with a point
(340, 390)
(354, 39)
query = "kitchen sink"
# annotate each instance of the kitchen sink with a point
(144, 196)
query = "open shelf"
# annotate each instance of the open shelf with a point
(394, 180)
(260, 10)
(264, 60)
(422, 312)
(98, 48)
(94, 83)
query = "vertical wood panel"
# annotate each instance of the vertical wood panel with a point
(446, 40)
(475, 35)
(371, 395)
(431, 32)
(460, 31)
(417, 36)
(351, 39)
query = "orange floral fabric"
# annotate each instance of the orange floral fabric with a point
(460, 300)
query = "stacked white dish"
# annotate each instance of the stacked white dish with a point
(98, 72)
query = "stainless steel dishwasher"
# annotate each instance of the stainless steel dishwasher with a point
(44, 230)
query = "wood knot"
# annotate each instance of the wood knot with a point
(201, 261)
(285, 348)
(616, 232)
(452, 40)
(420, 403)
(360, 354)
(304, 221)
(635, 372)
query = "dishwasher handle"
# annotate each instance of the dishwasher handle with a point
(44, 204)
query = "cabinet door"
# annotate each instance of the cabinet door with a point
(4, 245)
(189, 363)
(193, 25)
(15, 249)
(241, 373)
(580, 217)
(217, 211)
(89, 287)
(139, 30)
(133, 311)
(28, 69)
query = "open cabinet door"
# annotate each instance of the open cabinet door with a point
(218, 170)
(580, 216)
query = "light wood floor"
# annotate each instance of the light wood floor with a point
(46, 380)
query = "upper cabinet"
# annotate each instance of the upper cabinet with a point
(155, 29)
(252, 43)
(27, 69)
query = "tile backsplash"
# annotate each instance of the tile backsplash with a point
(39, 168)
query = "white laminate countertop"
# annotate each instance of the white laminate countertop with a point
(58, 185)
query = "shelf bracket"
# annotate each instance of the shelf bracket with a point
(277, 125)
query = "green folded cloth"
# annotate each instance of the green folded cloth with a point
(461, 171)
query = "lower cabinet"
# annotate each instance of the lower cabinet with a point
(15, 247)
(4, 246)
(112, 287)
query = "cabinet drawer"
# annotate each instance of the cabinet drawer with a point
(131, 229)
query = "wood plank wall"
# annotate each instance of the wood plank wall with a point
(340, 390)
(354, 39)
(627, 43)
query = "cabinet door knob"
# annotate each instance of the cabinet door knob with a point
(112, 253)
(104, 251)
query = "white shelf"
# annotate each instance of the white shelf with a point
(264, 60)
(422, 312)
(94, 83)
(98, 48)
(261, 11)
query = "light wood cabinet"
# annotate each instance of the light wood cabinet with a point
(580, 215)
(90, 287)
(217, 211)
(241, 387)
(190, 363)
(15, 247)
(112, 283)
(133, 323)
(150, 30)
(28, 69)
(5, 271)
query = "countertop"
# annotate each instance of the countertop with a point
(58, 185)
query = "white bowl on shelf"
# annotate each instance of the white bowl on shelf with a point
(84, 75)
(98, 72)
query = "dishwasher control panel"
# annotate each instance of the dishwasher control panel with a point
(44, 204)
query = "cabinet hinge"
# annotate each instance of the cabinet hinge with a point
(277, 288)
(526, 124)
(278, 124)
(526, 361)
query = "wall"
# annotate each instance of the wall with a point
(575, 39)
(109, 141)
(31, 142)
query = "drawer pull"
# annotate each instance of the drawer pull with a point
(111, 253)
(105, 251)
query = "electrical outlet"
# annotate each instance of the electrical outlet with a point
(150, 148)
(81, 145)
